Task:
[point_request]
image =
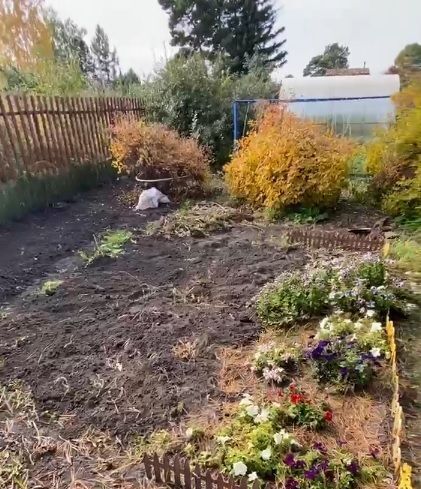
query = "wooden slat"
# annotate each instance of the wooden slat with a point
(20, 155)
(197, 478)
(80, 129)
(53, 133)
(8, 140)
(177, 471)
(62, 133)
(45, 138)
(73, 135)
(94, 129)
(148, 466)
(89, 131)
(167, 468)
(157, 468)
(26, 130)
(100, 128)
(209, 480)
(187, 475)
(30, 119)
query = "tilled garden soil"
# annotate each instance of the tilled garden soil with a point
(101, 349)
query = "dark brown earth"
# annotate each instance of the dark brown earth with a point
(31, 248)
(101, 348)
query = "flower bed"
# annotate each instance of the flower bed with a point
(316, 416)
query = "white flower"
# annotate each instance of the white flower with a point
(353, 337)
(263, 416)
(223, 439)
(358, 325)
(281, 436)
(266, 453)
(370, 313)
(246, 400)
(376, 327)
(362, 310)
(324, 322)
(252, 477)
(189, 433)
(360, 367)
(376, 352)
(273, 373)
(252, 410)
(239, 468)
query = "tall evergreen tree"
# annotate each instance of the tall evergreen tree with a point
(105, 61)
(236, 29)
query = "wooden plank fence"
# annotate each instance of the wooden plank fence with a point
(41, 135)
(177, 472)
(316, 238)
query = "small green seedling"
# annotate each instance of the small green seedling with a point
(111, 245)
(50, 286)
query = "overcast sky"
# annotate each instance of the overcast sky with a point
(374, 30)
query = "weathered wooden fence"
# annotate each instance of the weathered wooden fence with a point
(45, 134)
(315, 238)
(53, 147)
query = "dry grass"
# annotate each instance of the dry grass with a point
(198, 221)
(186, 350)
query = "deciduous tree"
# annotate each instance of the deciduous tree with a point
(334, 56)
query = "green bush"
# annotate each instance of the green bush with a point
(194, 96)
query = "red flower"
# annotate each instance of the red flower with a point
(296, 398)
(328, 416)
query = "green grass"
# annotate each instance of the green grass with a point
(111, 244)
(50, 287)
(407, 253)
(30, 193)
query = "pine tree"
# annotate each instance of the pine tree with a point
(235, 29)
(105, 61)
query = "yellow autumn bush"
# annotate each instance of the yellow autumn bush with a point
(153, 151)
(288, 162)
(393, 158)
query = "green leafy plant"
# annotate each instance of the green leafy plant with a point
(302, 411)
(294, 296)
(350, 285)
(111, 245)
(50, 286)
(255, 444)
(368, 333)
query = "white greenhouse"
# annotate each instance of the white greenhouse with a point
(352, 105)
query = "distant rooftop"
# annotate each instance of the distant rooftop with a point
(347, 71)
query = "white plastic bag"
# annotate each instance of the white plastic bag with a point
(150, 199)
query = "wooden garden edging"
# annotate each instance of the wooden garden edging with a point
(177, 472)
(316, 238)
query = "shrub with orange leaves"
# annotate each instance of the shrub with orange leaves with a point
(153, 151)
(288, 162)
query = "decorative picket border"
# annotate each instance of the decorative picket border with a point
(176, 471)
(317, 238)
